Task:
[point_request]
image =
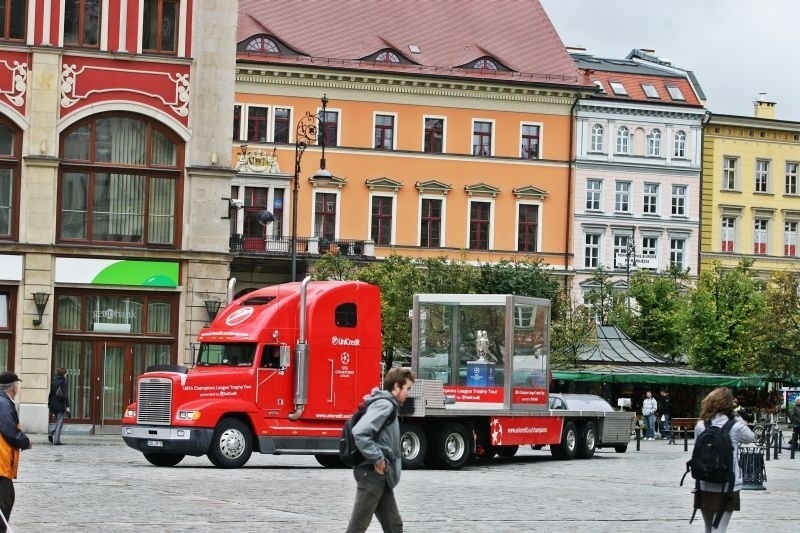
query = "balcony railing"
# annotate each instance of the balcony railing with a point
(305, 246)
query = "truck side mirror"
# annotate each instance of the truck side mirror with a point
(285, 356)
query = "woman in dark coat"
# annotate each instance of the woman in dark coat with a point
(58, 401)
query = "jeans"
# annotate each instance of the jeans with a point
(7, 497)
(649, 426)
(373, 496)
(666, 428)
(56, 431)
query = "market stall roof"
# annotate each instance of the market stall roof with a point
(616, 358)
(656, 374)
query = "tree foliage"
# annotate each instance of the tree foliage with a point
(333, 267)
(723, 327)
(661, 302)
(571, 335)
(779, 358)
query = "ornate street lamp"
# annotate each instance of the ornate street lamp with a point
(630, 260)
(310, 128)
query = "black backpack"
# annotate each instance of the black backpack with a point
(712, 461)
(348, 451)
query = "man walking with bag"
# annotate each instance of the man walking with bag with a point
(58, 402)
(13, 440)
(379, 473)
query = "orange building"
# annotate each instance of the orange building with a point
(434, 147)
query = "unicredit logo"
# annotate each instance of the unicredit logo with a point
(345, 341)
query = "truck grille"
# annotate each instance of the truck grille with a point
(155, 401)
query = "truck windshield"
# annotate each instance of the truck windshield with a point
(238, 354)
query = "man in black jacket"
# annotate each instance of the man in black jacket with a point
(58, 402)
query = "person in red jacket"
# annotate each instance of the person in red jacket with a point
(13, 440)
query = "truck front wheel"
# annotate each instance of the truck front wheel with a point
(451, 447)
(231, 444)
(413, 445)
(567, 448)
(163, 459)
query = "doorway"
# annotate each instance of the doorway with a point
(112, 382)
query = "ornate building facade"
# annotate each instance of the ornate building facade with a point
(114, 134)
(638, 161)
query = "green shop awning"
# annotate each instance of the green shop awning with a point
(656, 374)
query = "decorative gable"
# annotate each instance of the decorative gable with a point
(383, 184)
(529, 192)
(482, 189)
(433, 186)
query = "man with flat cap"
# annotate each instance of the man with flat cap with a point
(12, 442)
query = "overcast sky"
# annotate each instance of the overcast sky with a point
(736, 48)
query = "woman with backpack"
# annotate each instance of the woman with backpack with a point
(58, 401)
(720, 498)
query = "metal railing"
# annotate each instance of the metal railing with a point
(305, 245)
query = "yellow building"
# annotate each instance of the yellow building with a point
(750, 200)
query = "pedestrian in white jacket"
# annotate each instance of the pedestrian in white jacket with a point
(649, 408)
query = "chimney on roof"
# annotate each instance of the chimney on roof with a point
(763, 108)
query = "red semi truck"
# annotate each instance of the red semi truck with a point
(280, 369)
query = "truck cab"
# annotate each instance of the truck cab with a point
(277, 371)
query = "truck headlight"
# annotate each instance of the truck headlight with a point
(130, 413)
(188, 415)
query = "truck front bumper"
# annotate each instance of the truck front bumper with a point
(160, 439)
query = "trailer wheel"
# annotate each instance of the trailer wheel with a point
(413, 445)
(451, 447)
(231, 444)
(163, 459)
(329, 461)
(587, 441)
(506, 451)
(621, 448)
(569, 443)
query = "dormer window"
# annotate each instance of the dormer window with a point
(599, 85)
(650, 90)
(675, 93)
(262, 45)
(484, 64)
(387, 56)
(618, 88)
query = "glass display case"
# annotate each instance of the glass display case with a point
(486, 349)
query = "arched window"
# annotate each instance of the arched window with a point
(387, 57)
(654, 143)
(623, 140)
(680, 144)
(10, 155)
(484, 64)
(262, 45)
(597, 138)
(119, 182)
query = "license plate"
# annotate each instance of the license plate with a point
(155, 443)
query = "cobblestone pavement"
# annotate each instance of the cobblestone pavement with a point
(97, 484)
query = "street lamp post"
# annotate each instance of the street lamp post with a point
(630, 260)
(308, 131)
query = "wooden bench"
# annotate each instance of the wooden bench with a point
(683, 426)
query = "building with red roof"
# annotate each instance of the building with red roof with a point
(638, 162)
(444, 136)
